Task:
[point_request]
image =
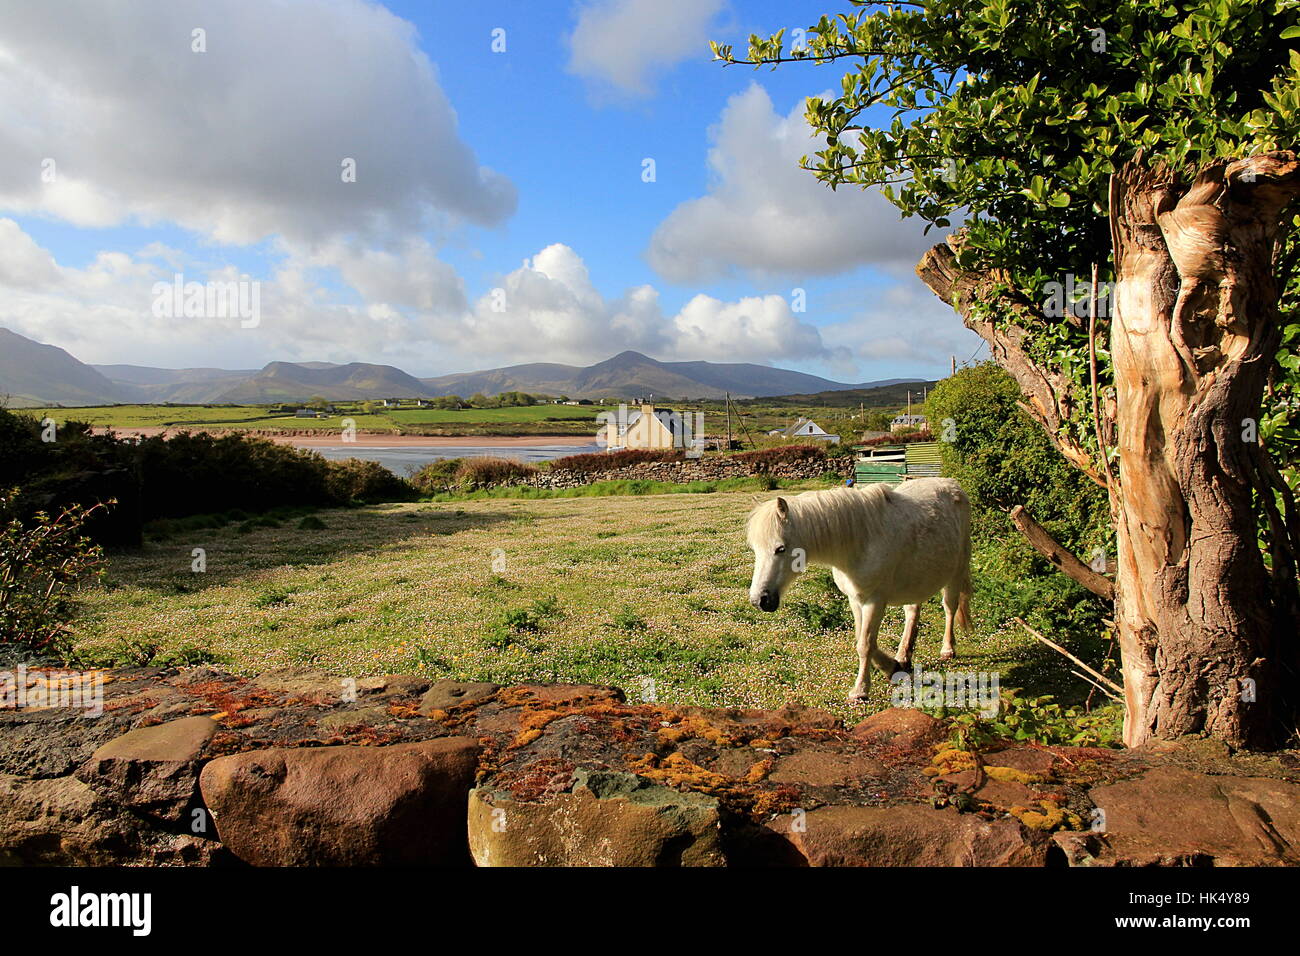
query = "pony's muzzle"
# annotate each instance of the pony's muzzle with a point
(768, 601)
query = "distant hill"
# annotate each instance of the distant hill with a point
(291, 381)
(891, 392)
(631, 374)
(36, 374)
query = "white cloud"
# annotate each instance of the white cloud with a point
(411, 312)
(621, 43)
(241, 142)
(765, 215)
(906, 327)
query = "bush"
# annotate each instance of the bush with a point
(596, 462)
(475, 473)
(178, 477)
(41, 559)
(437, 476)
(1004, 458)
(901, 438)
(765, 459)
(368, 481)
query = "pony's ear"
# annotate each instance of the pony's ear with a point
(782, 508)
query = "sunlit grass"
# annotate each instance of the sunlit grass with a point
(637, 591)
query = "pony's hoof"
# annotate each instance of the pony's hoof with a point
(858, 696)
(903, 666)
(947, 655)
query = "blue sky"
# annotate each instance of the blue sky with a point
(477, 170)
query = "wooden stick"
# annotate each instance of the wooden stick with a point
(1065, 562)
(1061, 650)
(1099, 687)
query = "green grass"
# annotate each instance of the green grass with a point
(539, 418)
(413, 588)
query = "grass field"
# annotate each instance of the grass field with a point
(639, 592)
(541, 419)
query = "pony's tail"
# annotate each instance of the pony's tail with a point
(963, 599)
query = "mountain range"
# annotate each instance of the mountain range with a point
(36, 374)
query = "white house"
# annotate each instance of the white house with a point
(807, 428)
(903, 422)
(650, 428)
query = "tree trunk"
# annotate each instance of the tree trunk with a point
(1208, 631)
(1207, 635)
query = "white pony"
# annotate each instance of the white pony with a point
(884, 545)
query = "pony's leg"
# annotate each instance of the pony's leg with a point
(951, 600)
(910, 614)
(868, 629)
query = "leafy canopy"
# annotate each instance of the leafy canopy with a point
(1012, 114)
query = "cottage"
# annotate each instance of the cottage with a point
(807, 428)
(651, 428)
(900, 423)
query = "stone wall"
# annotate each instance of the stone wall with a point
(715, 468)
(199, 767)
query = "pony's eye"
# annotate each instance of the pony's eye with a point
(781, 550)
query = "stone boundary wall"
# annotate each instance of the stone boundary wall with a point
(698, 469)
(297, 768)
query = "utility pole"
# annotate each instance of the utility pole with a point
(728, 448)
(954, 365)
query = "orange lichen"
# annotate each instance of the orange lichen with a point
(759, 771)
(1049, 817)
(678, 771)
(948, 760)
(1011, 775)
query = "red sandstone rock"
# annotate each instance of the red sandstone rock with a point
(153, 770)
(903, 727)
(1170, 816)
(909, 836)
(345, 806)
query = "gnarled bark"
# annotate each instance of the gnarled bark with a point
(1208, 634)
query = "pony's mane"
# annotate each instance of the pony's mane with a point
(826, 520)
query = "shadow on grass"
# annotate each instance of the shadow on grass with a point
(169, 565)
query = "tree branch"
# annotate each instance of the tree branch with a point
(1048, 392)
(1063, 560)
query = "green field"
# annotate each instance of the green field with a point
(622, 591)
(536, 419)
(749, 423)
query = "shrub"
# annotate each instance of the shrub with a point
(41, 559)
(901, 438)
(368, 481)
(475, 473)
(596, 462)
(765, 459)
(436, 476)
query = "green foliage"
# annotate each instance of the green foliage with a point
(1012, 115)
(1039, 720)
(42, 558)
(1003, 458)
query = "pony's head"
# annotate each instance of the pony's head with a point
(776, 553)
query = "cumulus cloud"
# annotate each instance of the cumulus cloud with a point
(905, 326)
(765, 215)
(406, 308)
(550, 306)
(241, 142)
(620, 44)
